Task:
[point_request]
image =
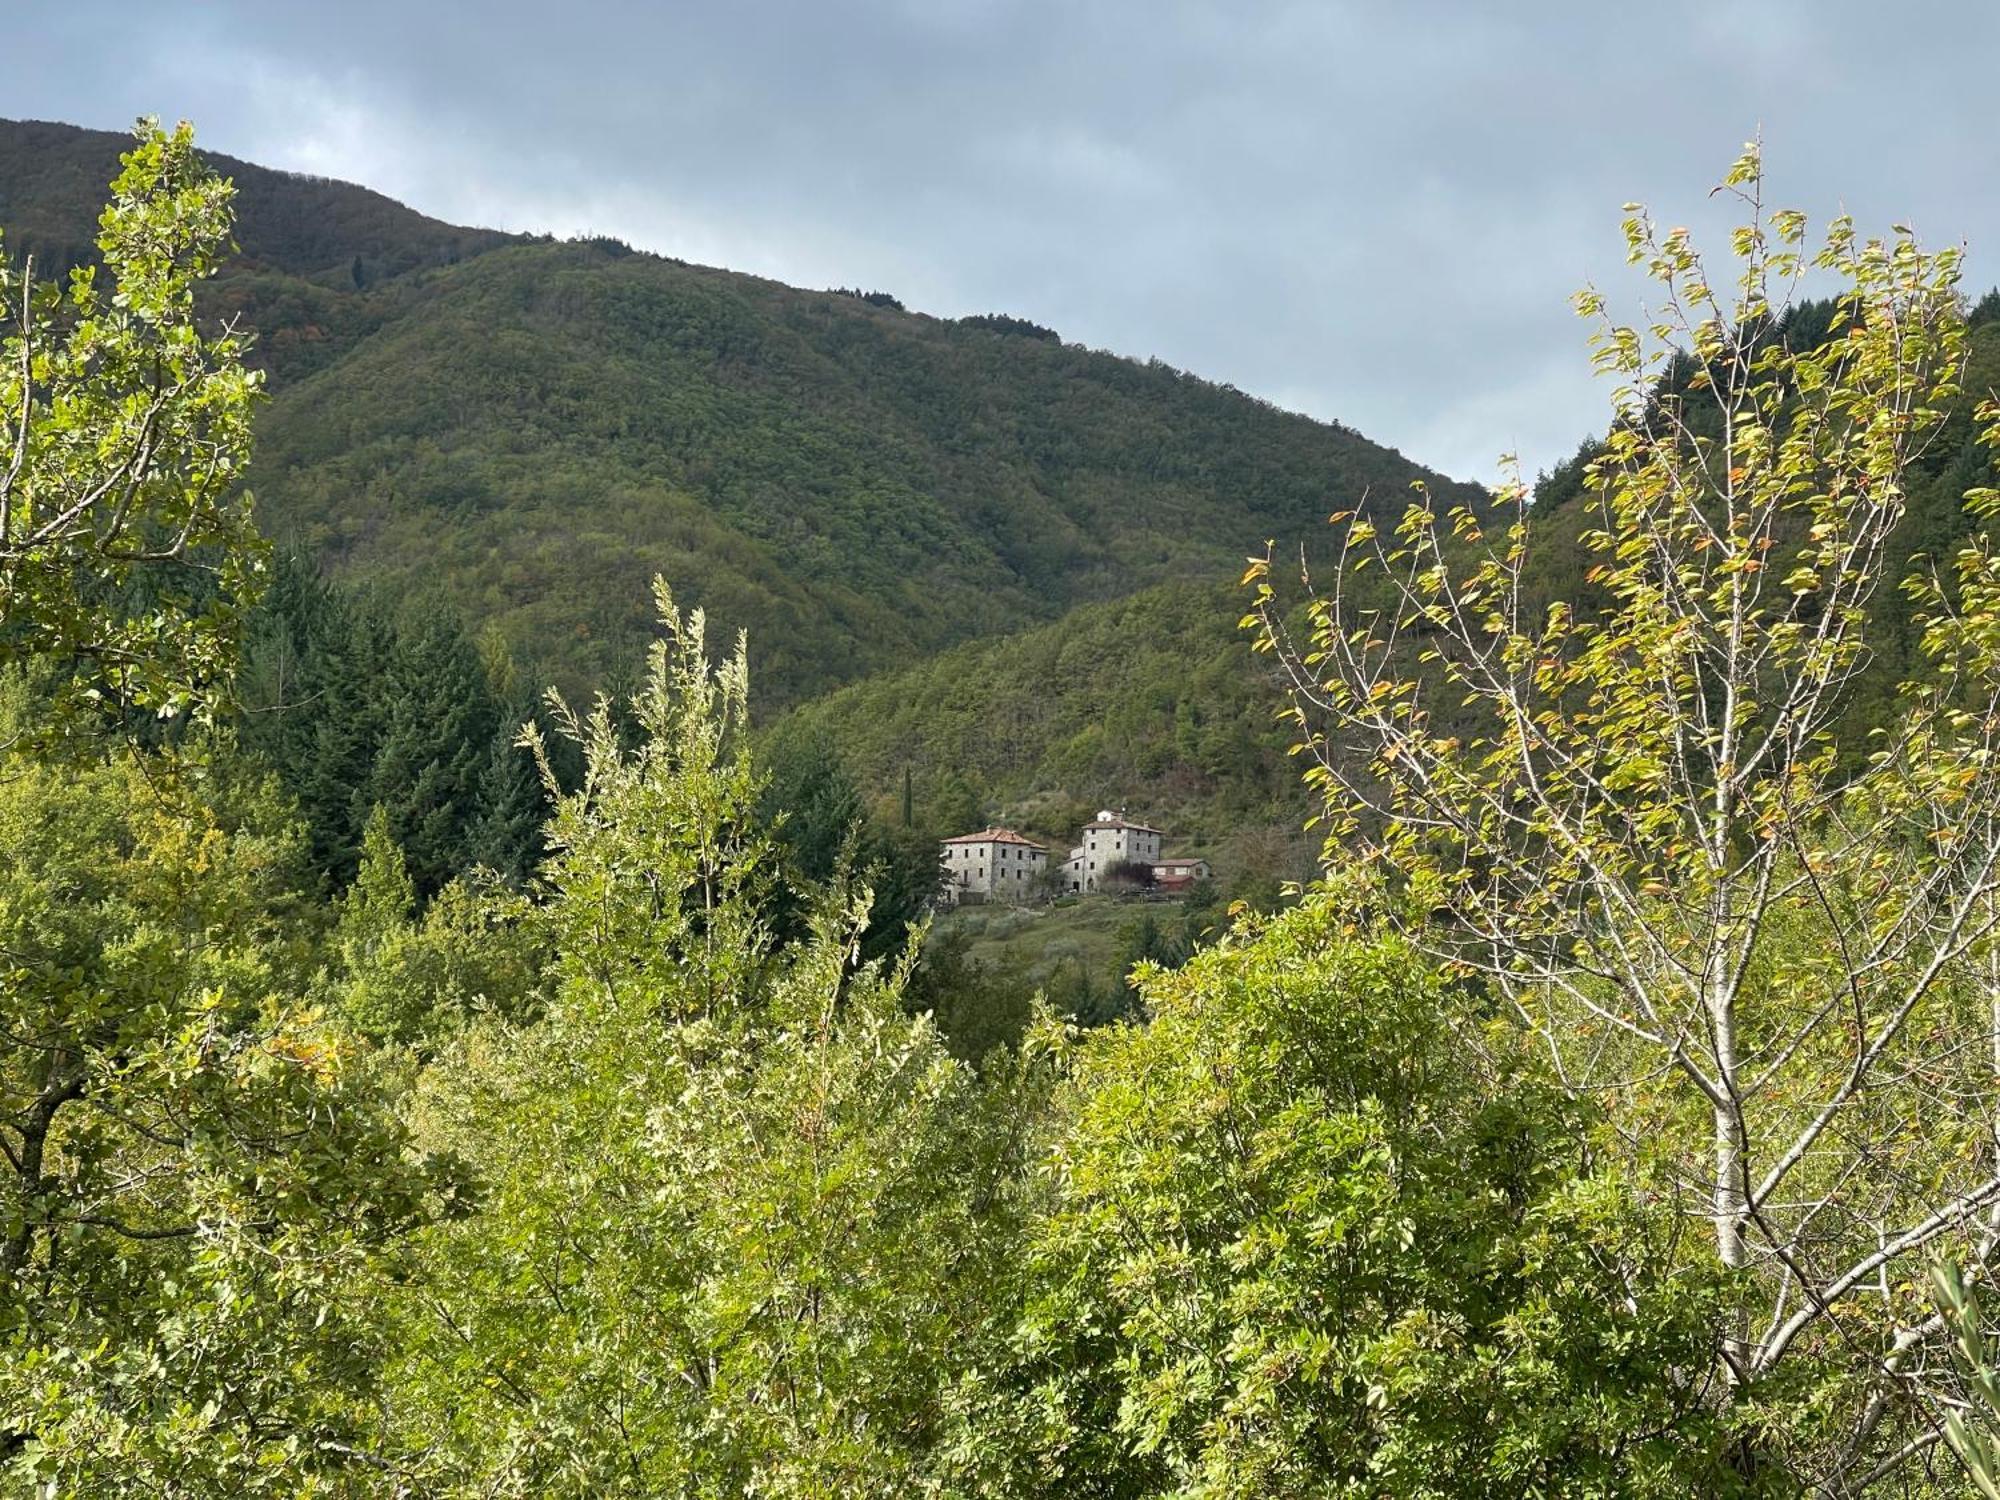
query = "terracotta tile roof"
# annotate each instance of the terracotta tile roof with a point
(1122, 823)
(996, 836)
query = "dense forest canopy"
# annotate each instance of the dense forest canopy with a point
(1150, 703)
(536, 429)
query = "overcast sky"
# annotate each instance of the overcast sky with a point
(1373, 213)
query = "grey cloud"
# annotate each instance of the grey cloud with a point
(1374, 213)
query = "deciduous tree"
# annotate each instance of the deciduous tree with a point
(744, 1217)
(192, 1161)
(127, 552)
(1631, 817)
(1313, 1233)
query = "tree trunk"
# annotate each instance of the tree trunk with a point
(1728, 1203)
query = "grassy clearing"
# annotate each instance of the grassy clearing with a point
(1042, 943)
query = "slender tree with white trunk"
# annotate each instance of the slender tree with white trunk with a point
(1762, 939)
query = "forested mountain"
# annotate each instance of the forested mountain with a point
(963, 550)
(532, 430)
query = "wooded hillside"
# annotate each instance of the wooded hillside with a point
(532, 430)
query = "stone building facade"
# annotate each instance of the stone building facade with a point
(998, 864)
(1109, 840)
(995, 864)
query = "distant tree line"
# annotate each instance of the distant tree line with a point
(1005, 323)
(873, 299)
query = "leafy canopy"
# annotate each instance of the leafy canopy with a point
(127, 551)
(1630, 812)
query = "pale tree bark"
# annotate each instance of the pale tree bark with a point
(1641, 817)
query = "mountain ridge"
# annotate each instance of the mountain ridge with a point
(526, 430)
(299, 222)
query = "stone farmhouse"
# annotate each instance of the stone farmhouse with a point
(995, 864)
(1108, 840)
(998, 864)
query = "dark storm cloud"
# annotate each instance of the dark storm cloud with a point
(1370, 212)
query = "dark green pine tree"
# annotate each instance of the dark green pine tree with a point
(348, 738)
(820, 820)
(1146, 942)
(277, 682)
(814, 811)
(439, 719)
(814, 804)
(906, 874)
(308, 694)
(513, 803)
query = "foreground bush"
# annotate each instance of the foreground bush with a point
(1318, 1229)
